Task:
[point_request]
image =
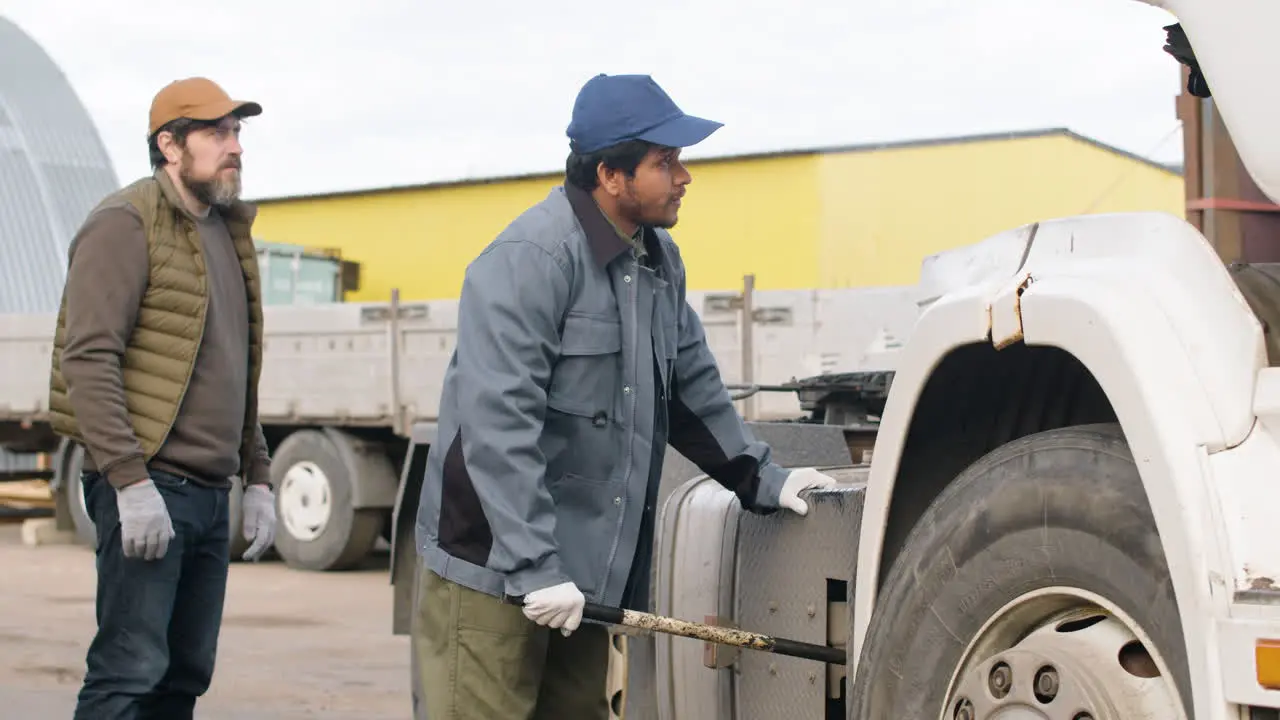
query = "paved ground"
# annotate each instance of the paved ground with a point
(294, 645)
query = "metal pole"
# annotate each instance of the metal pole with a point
(748, 341)
(733, 637)
(710, 633)
(297, 275)
(393, 350)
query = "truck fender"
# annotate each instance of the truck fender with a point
(1144, 304)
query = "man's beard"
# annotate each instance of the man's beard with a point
(213, 191)
(635, 211)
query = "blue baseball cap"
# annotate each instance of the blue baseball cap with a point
(615, 108)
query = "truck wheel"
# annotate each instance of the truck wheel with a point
(1034, 585)
(318, 529)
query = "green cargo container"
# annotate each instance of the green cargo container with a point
(295, 275)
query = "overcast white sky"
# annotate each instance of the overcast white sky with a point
(409, 91)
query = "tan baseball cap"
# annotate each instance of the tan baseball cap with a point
(196, 98)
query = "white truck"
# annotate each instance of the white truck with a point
(1069, 510)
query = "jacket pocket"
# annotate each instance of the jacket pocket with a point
(585, 378)
(587, 514)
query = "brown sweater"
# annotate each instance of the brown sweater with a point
(106, 279)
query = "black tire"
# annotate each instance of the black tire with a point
(349, 535)
(72, 488)
(1060, 508)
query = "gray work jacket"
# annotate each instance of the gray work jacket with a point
(567, 349)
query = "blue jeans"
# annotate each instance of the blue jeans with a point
(158, 620)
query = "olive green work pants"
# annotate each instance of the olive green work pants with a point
(479, 658)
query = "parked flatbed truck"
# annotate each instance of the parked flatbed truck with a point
(344, 383)
(1069, 509)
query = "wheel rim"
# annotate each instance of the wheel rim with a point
(1061, 654)
(305, 501)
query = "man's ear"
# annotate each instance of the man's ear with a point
(168, 145)
(611, 181)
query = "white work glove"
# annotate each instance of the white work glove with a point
(559, 606)
(799, 480)
(259, 510)
(145, 526)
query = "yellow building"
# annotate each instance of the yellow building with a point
(839, 217)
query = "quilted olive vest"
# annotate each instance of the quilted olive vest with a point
(161, 353)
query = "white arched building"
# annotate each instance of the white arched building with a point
(53, 170)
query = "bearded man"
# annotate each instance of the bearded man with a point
(156, 360)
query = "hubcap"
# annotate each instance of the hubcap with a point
(1061, 654)
(305, 501)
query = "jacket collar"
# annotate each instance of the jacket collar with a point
(605, 242)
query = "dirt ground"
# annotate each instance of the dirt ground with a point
(294, 645)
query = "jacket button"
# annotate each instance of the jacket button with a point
(617, 501)
(626, 390)
(626, 278)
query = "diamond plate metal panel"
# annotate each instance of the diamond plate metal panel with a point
(784, 562)
(792, 445)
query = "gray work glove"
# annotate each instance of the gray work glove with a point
(259, 510)
(145, 526)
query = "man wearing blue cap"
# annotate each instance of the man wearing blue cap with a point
(578, 360)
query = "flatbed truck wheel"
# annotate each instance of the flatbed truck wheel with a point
(317, 527)
(1035, 586)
